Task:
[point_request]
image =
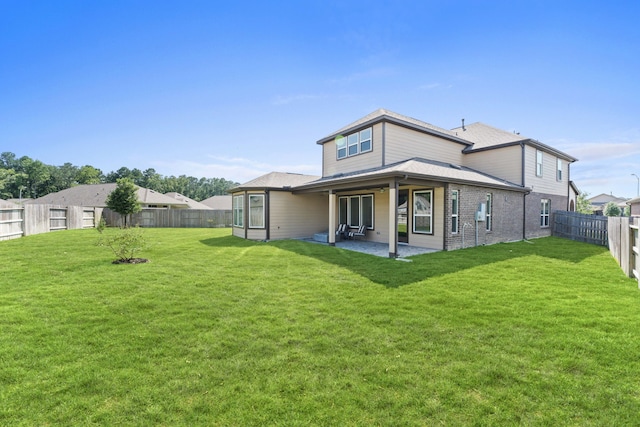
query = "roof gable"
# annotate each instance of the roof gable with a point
(482, 135)
(382, 114)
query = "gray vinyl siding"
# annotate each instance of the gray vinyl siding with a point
(505, 163)
(402, 144)
(331, 164)
(294, 216)
(547, 183)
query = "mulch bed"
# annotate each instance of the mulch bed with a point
(131, 261)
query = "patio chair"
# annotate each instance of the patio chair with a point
(341, 232)
(362, 230)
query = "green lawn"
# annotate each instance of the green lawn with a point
(216, 330)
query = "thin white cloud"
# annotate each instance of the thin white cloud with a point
(364, 75)
(434, 86)
(285, 100)
(605, 166)
(237, 169)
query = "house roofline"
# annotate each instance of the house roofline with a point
(396, 121)
(327, 183)
(528, 141)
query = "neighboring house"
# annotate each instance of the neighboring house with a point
(218, 203)
(192, 204)
(599, 202)
(410, 182)
(95, 195)
(634, 206)
(573, 196)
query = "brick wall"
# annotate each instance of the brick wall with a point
(533, 203)
(507, 214)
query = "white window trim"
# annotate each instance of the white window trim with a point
(559, 170)
(539, 162)
(429, 215)
(262, 225)
(455, 214)
(488, 221)
(343, 141)
(238, 211)
(545, 216)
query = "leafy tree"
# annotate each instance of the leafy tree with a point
(152, 180)
(124, 199)
(37, 174)
(89, 175)
(8, 160)
(611, 209)
(583, 205)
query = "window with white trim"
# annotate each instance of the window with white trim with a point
(356, 210)
(488, 222)
(423, 211)
(559, 170)
(545, 204)
(238, 211)
(538, 163)
(354, 144)
(256, 211)
(455, 208)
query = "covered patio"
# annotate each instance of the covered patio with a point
(377, 248)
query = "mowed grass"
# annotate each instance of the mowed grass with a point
(216, 330)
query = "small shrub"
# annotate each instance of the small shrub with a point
(102, 224)
(125, 244)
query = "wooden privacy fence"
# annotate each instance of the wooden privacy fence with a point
(581, 227)
(173, 218)
(619, 234)
(35, 219)
(625, 245)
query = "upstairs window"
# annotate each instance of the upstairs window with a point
(354, 144)
(559, 170)
(538, 163)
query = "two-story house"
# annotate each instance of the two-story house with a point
(410, 182)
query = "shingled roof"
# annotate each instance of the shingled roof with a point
(95, 195)
(382, 114)
(420, 169)
(276, 180)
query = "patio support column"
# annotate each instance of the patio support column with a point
(393, 219)
(332, 218)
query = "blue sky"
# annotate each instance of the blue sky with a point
(238, 89)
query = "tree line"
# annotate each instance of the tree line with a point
(26, 178)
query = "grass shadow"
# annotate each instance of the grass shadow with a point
(393, 273)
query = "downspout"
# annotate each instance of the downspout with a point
(447, 192)
(267, 223)
(524, 197)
